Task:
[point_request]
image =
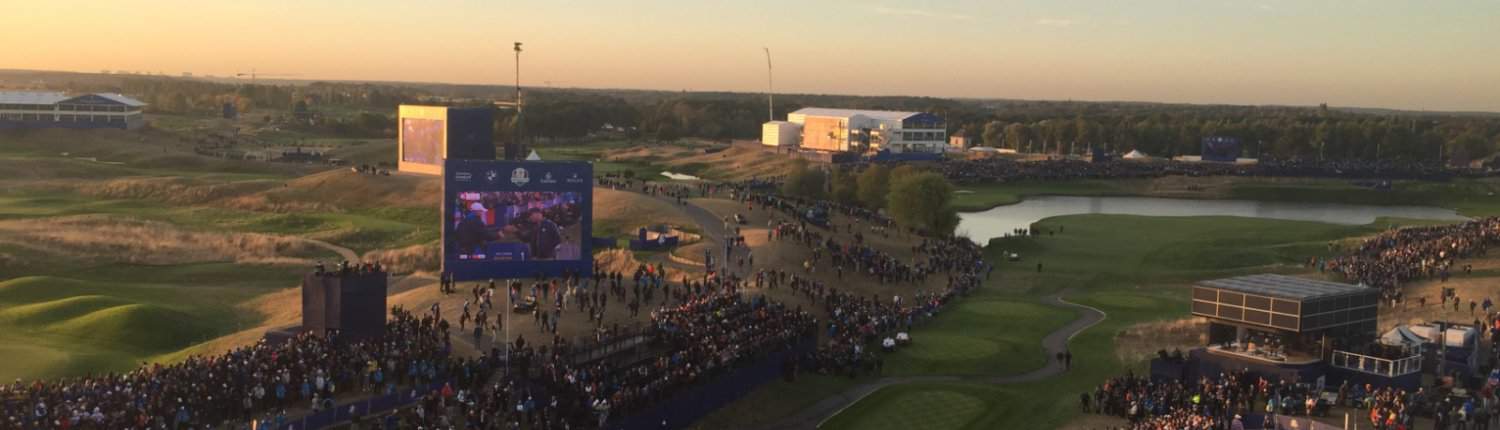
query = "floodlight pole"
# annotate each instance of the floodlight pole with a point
(770, 89)
(517, 154)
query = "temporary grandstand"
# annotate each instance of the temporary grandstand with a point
(34, 109)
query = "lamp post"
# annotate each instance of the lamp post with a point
(516, 155)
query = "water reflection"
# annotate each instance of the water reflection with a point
(997, 222)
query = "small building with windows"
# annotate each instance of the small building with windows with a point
(859, 131)
(43, 109)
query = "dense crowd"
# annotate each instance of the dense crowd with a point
(1221, 403)
(304, 372)
(1004, 170)
(1413, 253)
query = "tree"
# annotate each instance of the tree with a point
(923, 201)
(994, 134)
(1467, 148)
(805, 181)
(874, 183)
(1016, 135)
(845, 187)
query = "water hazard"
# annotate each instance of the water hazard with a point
(999, 221)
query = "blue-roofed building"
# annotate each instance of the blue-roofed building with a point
(46, 109)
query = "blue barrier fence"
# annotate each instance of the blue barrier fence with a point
(693, 403)
(364, 408)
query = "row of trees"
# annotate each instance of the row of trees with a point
(1033, 126)
(1285, 134)
(912, 197)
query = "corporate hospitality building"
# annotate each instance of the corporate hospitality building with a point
(858, 131)
(30, 109)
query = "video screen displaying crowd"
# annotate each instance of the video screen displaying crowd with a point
(996, 169)
(1392, 258)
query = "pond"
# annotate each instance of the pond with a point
(1002, 220)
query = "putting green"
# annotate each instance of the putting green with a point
(981, 335)
(936, 407)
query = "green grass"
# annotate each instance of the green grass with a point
(973, 198)
(920, 406)
(776, 399)
(1133, 268)
(361, 230)
(1470, 197)
(111, 318)
(949, 346)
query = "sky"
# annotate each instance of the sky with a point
(1419, 55)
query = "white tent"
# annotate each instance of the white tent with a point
(1401, 336)
(1135, 154)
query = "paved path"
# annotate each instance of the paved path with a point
(347, 254)
(813, 416)
(1057, 341)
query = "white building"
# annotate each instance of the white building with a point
(781, 134)
(29, 109)
(852, 130)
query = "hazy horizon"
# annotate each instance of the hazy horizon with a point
(1370, 54)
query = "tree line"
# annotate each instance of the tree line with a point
(912, 197)
(1059, 127)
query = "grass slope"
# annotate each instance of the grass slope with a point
(1133, 268)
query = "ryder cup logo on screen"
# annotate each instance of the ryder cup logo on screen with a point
(519, 177)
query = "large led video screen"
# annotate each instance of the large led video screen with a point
(516, 219)
(421, 140)
(516, 226)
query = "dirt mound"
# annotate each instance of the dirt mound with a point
(1141, 341)
(174, 190)
(342, 189)
(415, 258)
(622, 212)
(624, 261)
(740, 160)
(103, 238)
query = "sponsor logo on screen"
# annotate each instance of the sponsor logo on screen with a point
(462, 176)
(519, 177)
(547, 179)
(491, 176)
(575, 179)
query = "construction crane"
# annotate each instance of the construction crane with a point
(253, 75)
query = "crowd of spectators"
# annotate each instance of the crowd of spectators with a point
(1222, 403)
(305, 372)
(1413, 253)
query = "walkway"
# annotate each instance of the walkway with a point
(1057, 341)
(813, 416)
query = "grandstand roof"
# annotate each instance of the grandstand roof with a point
(845, 113)
(32, 97)
(1286, 287)
(55, 97)
(121, 99)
